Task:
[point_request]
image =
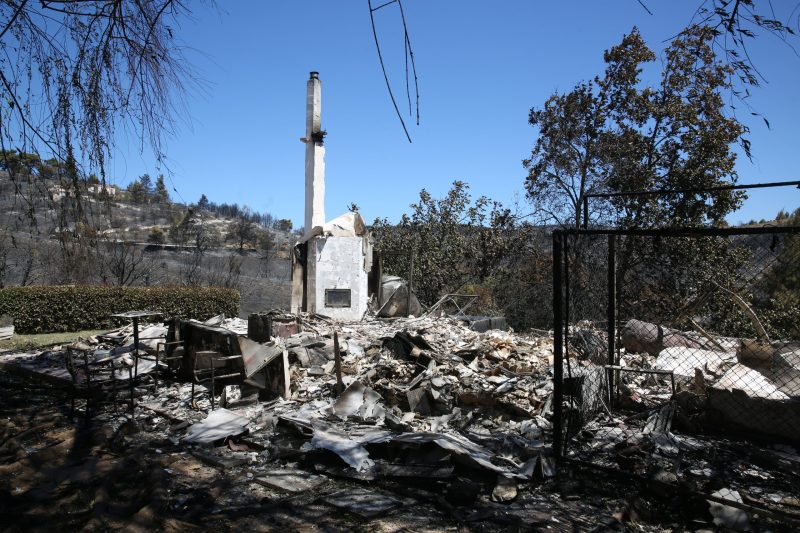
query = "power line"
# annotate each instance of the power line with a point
(409, 58)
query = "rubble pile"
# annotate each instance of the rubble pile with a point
(430, 401)
(671, 384)
(416, 384)
(419, 398)
(109, 355)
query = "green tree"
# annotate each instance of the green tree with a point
(566, 161)
(141, 190)
(616, 134)
(161, 194)
(242, 231)
(18, 162)
(147, 184)
(283, 224)
(156, 236)
(453, 241)
(135, 192)
(203, 203)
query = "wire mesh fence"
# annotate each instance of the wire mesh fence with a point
(677, 358)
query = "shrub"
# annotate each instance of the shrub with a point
(156, 236)
(50, 309)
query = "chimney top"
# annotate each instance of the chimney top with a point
(314, 75)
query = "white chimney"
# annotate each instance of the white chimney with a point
(315, 155)
(330, 273)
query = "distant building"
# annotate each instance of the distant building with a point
(110, 190)
(59, 191)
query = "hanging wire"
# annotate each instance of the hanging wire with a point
(174, 188)
(409, 58)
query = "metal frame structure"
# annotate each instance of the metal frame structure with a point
(561, 296)
(653, 192)
(561, 302)
(454, 298)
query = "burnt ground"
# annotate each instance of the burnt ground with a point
(63, 473)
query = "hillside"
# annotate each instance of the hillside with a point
(111, 236)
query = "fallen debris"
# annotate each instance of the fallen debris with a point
(217, 425)
(638, 337)
(362, 502)
(429, 401)
(684, 361)
(749, 381)
(505, 490)
(727, 516)
(289, 480)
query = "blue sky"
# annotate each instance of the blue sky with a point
(482, 65)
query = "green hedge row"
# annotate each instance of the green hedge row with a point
(50, 309)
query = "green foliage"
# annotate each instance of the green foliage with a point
(141, 191)
(675, 279)
(242, 231)
(16, 162)
(203, 203)
(779, 288)
(136, 193)
(433, 236)
(782, 320)
(157, 236)
(453, 242)
(44, 309)
(782, 280)
(615, 134)
(284, 224)
(161, 194)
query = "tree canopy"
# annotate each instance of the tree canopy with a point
(454, 240)
(615, 133)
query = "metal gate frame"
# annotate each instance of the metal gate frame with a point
(561, 287)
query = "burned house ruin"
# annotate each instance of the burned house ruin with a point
(331, 264)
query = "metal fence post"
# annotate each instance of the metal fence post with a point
(585, 212)
(410, 283)
(611, 311)
(558, 347)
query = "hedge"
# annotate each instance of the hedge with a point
(51, 309)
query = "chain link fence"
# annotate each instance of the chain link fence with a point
(677, 359)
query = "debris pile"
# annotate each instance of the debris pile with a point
(428, 401)
(670, 384)
(419, 398)
(746, 384)
(423, 398)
